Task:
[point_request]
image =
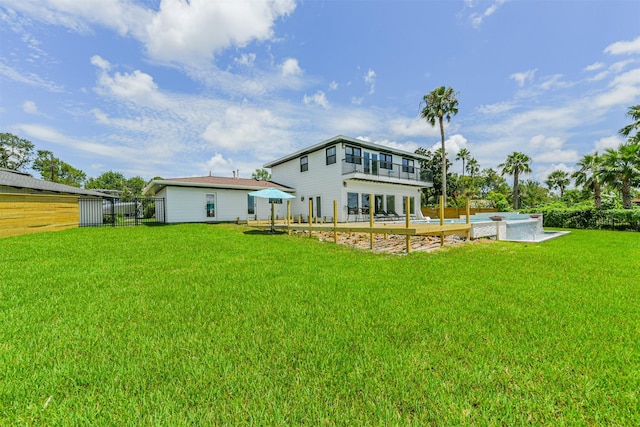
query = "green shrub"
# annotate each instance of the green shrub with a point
(590, 218)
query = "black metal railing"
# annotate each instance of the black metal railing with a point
(95, 212)
(385, 170)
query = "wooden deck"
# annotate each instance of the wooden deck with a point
(399, 228)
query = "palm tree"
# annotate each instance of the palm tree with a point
(516, 164)
(634, 113)
(473, 167)
(441, 103)
(621, 169)
(587, 176)
(558, 179)
(463, 155)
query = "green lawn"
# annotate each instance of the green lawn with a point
(206, 325)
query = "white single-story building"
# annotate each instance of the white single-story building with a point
(214, 198)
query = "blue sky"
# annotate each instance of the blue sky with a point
(174, 88)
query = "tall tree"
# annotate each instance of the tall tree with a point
(558, 179)
(532, 194)
(473, 167)
(490, 181)
(55, 170)
(261, 175)
(463, 155)
(15, 152)
(109, 180)
(440, 104)
(632, 131)
(621, 169)
(516, 164)
(587, 176)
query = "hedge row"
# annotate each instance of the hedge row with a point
(610, 219)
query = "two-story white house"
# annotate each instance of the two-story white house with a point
(349, 170)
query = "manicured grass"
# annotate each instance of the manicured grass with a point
(201, 324)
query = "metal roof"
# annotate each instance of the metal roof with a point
(17, 179)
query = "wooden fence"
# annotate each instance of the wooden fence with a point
(454, 213)
(33, 213)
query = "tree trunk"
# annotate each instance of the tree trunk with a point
(597, 196)
(626, 194)
(444, 163)
(516, 193)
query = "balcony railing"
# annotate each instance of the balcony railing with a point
(384, 171)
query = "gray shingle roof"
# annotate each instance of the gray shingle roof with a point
(17, 179)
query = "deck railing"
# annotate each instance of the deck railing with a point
(382, 170)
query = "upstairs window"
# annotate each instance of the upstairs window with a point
(386, 161)
(331, 155)
(407, 165)
(304, 164)
(352, 155)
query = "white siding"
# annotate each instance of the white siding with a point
(186, 204)
(327, 182)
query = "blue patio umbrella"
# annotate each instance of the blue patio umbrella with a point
(271, 193)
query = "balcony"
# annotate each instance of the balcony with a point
(381, 171)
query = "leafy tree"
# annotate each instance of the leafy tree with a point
(15, 152)
(433, 164)
(439, 104)
(532, 194)
(133, 188)
(109, 180)
(516, 164)
(632, 131)
(621, 169)
(55, 170)
(499, 200)
(261, 175)
(558, 179)
(489, 180)
(587, 176)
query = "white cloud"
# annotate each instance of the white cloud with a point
(218, 163)
(595, 66)
(498, 108)
(333, 85)
(554, 82)
(370, 80)
(541, 142)
(180, 31)
(415, 127)
(318, 99)
(290, 68)
(409, 147)
(100, 62)
(556, 156)
(453, 145)
(357, 101)
(193, 32)
(30, 107)
(624, 47)
(607, 142)
(29, 79)
(523, 77)
(624, 90)
(477, 18)
(246, 128)
(246, 59)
